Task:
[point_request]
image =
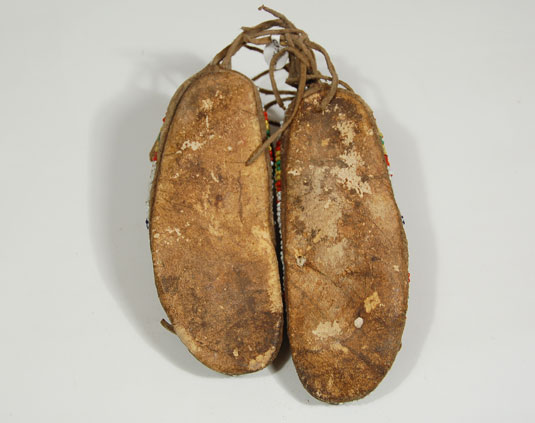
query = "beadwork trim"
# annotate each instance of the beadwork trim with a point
(275, 156)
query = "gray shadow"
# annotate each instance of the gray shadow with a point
(122, 134)
(284, 372)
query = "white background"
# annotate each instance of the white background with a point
(83, 88)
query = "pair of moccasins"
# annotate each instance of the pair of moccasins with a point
(214, 239)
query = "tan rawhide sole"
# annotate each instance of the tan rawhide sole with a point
(345, 251)
(211, 225)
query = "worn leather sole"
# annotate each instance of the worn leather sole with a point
(211, 225)
(345, 251)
